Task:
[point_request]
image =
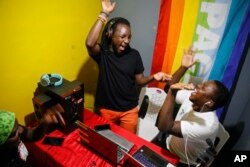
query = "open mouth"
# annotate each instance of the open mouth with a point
(122, 48)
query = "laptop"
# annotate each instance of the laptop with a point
(112, 151)
(106, 131)
(145, 157)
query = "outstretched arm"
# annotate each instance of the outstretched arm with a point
(160, 77)
(166, 122)
(50, 117)
(94, 33)
(187, 62)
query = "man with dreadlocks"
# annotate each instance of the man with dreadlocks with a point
(120, 69)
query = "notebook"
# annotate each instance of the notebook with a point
(146, 157)
(101, 144)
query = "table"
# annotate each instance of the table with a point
(73, 153)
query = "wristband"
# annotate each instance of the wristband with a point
(106, 14)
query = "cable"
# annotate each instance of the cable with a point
(186, 151)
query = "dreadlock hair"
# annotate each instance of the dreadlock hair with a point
(109, 29)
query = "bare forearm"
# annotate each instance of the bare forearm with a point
(159, 76)
(142, 81)
(176, 77)
(94, 34)
(178, 74)
(166, 119)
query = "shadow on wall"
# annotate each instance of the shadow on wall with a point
(88, 76)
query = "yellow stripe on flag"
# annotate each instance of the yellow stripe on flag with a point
(187, 30)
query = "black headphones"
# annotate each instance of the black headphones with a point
(111, 23)
(109, 30)
(46, 80)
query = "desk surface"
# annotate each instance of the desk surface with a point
(74, 154)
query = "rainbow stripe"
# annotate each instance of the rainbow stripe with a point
(217, 29)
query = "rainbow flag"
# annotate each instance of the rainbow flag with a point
(217, 29)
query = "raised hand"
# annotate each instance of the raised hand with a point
(188, 58)
(107, 6)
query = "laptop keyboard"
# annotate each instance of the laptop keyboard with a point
(143, 159)
(149, 158)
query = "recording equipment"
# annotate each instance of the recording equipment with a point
(46, 80)
(109, 27)
(208, 154)
(144, 107)
(70, 94)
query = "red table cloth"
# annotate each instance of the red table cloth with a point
(72, 153)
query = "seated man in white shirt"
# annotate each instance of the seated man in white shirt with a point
(196, 120)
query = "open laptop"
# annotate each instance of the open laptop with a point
(146, 157)
(106, 131)
(103, 145)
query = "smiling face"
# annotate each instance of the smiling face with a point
(121, 38)
(203, 93)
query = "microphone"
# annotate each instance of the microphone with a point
(208, 154)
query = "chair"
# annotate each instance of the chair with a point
(150, 102)
(235, 132)
(221, 139)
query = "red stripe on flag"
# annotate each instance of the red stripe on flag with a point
(161, 38)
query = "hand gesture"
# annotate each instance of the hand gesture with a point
(53, 115)
(179, 86)
(107, 6)
(161, 76)
(188, 58)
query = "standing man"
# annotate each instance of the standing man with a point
(120, 69)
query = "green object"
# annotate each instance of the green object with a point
(7, 122)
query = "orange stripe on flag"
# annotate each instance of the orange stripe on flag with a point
(177, 8)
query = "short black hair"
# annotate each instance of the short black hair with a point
(221, 95)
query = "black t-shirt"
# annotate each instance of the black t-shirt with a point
(116, 89)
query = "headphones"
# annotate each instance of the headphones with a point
(109, 31)
(209, 102)
(45, 80)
